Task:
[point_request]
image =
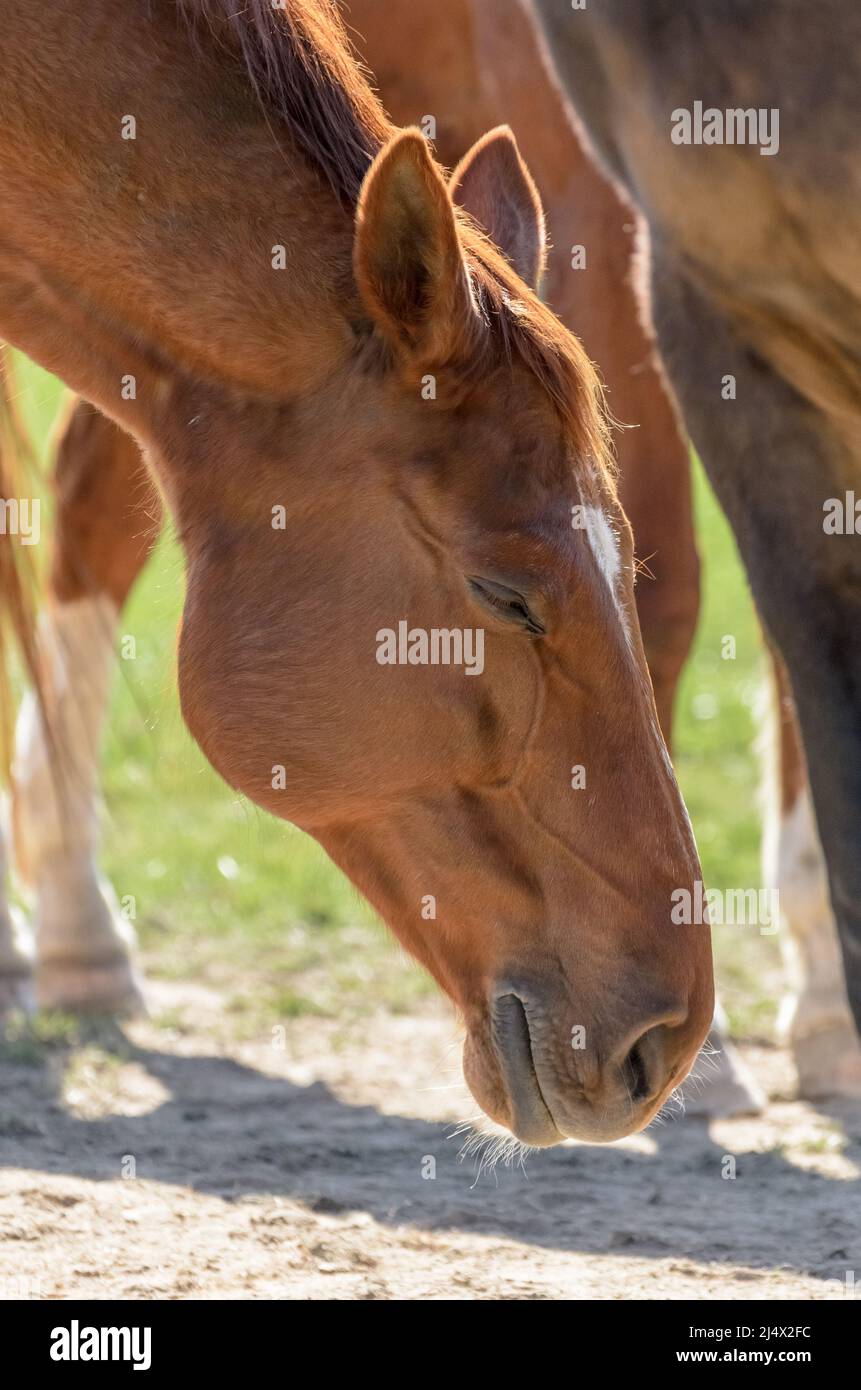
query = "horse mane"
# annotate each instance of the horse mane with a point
(302, 66)
(304, 69)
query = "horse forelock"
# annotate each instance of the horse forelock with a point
(529, 331)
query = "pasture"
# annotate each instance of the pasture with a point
(283, 1123)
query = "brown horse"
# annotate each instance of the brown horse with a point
(108, 515)
(361, 417)
(481, 66)
(756, 293)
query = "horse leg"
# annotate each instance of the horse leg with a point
(815, 1015)
(16, 951)
(722, 1084)
(770, 443)
(107, 521)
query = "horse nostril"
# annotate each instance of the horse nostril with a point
(636, 1074)
(646, 1068)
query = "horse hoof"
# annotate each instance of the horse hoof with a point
(722, 1085)
(17, 994)
(85, 988)
(16, 964)
(829, 1064)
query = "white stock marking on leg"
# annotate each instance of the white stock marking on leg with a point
(810, 946)
(814, 1015)
(792, 863)
(55, 811)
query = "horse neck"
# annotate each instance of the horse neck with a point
(199, 249)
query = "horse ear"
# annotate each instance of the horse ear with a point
(407, 257)
(494, 185)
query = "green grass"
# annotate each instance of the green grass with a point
(716, 733)
(226, 895)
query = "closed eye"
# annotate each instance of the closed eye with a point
(506, 603)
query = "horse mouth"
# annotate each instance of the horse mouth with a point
(531, 1120)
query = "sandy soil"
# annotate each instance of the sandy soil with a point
(293, 1168)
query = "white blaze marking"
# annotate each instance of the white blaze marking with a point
(604, 544)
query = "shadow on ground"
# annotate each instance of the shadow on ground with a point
(233, 1132)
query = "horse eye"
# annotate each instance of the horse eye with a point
(505, 603)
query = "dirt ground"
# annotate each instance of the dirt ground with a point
(172, 1163)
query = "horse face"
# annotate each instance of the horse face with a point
(429, 659)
